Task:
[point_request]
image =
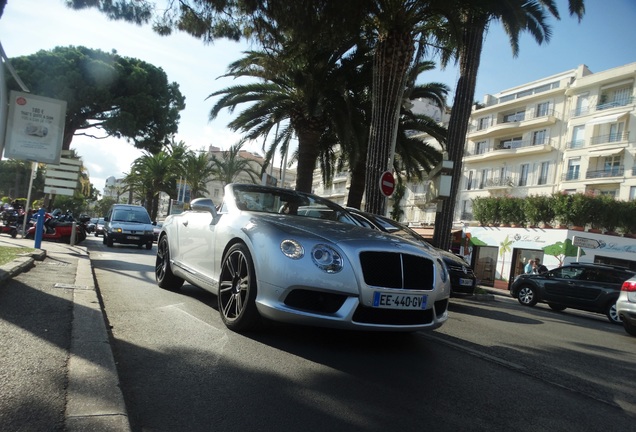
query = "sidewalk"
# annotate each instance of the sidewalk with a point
(56, 363)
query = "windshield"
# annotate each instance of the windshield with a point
(131, 215)
(261, 199)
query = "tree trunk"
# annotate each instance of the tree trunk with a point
(356, 188)
(308, 152)
(470, 54)
(391, 61)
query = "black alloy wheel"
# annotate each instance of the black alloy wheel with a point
(237, 289)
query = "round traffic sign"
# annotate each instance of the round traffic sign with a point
(387, 183)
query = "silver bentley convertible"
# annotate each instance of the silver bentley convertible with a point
(298, 258)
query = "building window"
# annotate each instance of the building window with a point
(574, 166)
(539, 137)
(543, 173)
(616, 132)
(612, 165)
(484, 178)
(578, 137)
(511, 143)
(469, 180)
(514, 117)
(523, 176)
(481, 147)
(582, 105)
(216, 193)
(543, 109)
(484, 123)
(632, 193)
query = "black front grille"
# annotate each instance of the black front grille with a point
(397, 270)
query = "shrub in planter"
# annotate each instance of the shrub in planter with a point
(627, 221)
(561, 204)
(514, 209)
(582, 209)
(538, 208)
(606, 214)
(486, 210)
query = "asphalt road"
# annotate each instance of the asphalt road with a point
(493, 366)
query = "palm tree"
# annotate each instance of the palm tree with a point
(228, 168)
(197, 171)
(149, 175)
(474, 17)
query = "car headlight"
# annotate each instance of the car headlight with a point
(149, 232)
(117, 230)
(292, 249)
(326, 258)
(442, 270)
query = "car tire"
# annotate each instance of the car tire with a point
(163, 273)
(556, 307)
(109, 241)
(96, 235)
(237, 290)
(104, 240)
(612, 314)
(629, 328)
(149, 246)
(527, 296)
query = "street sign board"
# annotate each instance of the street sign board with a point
(387, 183)
(585, 242)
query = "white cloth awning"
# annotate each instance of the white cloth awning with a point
(613, 118)
(605, 153)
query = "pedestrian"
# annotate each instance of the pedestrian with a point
(538, 267)
(529, 268)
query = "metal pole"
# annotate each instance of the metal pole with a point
(34, 169)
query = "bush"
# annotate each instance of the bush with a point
(486, 210)
(539, 208)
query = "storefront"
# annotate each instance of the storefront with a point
(499, 254)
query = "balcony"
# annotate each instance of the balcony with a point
(610, 138)
(571, 176)
(530, 119)
(509, 149)
(499, 183)
(618, 171)
(581, 111)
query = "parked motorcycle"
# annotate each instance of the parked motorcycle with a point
(58, 227)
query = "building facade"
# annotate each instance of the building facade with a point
(569, 132)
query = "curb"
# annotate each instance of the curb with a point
(94, 397)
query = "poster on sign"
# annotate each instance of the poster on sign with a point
(35, 128)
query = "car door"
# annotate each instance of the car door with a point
(562, 285)
(196, 241)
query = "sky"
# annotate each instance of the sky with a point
(604, 39)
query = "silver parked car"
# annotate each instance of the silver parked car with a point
(298, 258)
(626, 305)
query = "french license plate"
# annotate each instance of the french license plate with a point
(133, 237)
(465, 282)
(398, 301)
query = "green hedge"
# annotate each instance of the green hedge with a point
(584, 210)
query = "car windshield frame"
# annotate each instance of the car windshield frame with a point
(272, 200)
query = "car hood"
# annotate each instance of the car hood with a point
(332, 231)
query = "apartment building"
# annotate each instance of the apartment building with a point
(567, 132)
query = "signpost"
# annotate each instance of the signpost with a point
(387, 183)
(584, 242)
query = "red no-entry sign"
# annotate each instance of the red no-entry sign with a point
(387, 183)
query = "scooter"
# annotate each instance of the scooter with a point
(9, 220)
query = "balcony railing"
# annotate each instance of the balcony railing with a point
(608, 105)
(498, 182)
(606, 173)
(609, 138)
(528, 115)
(616, 103)
(570, 176)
